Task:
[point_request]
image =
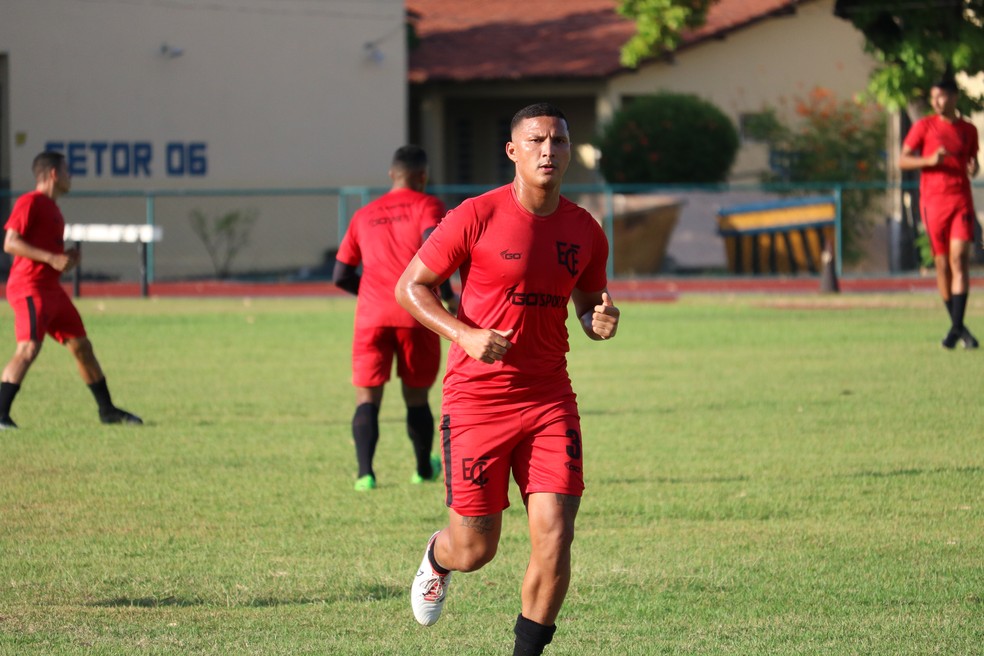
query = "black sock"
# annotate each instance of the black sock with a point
(958, 307)
(949, 308)
(7, 393)
(531, 637)
(433, 560)
(365, 431)
(101, 392)
(420, 428)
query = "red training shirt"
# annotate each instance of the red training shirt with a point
(39, 221)
(383, 236)
(949, 178)
(517, 271)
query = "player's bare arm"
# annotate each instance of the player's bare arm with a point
(597, 312)
(973, 167)
(908, 161)
(14, 244)
(415, 293)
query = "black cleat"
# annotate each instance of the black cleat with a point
(7, 422)
(969, 341)
(117, 416)
(950, 340)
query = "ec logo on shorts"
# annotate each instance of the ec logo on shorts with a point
(473, 469)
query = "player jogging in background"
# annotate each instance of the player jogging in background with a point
(35, 237)
(382, 237)
(943, 148)
(524, 252)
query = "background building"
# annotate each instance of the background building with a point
(187, 95)
(476, 64)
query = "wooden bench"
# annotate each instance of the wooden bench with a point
(140, 234)
(783, 236)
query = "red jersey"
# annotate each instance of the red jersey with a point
(517, 271)
(39, 221)
(949, 178)
(384, 236)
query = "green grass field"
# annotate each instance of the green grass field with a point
(766, 475)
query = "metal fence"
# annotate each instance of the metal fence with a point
(297, 231)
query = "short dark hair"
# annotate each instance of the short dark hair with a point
(537, 110)
(947, 82)
(410, 158)
(46, 161)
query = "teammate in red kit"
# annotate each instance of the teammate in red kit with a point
(382, 237)
(524, 252)
(943, 147)
(35, 237)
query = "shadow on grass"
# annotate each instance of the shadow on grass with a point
(668, 480)
(358, 594)
(619, 412)
(915, 472)
(148, 602)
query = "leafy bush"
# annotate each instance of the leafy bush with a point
(668, 138)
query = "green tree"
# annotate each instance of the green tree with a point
(916, 42)
(659, 25)
(913, 41)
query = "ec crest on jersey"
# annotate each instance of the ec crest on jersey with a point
(567, 256)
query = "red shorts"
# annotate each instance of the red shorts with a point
(417, 351)
(540, 445)
(948, 219)
(49, 312)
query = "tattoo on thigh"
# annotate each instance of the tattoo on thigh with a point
(568, 502)
(481, 525)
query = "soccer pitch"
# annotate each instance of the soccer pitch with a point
(765, 475)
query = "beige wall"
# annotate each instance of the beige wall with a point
(767, 64)
(264, 93)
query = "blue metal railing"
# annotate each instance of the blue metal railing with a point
(364, 194)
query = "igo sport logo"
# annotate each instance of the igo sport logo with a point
(473, 469)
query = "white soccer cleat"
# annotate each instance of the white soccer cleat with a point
(428, 590)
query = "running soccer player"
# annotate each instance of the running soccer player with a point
(943, 147)
(35, 237)
(382, 237)
(524, 253)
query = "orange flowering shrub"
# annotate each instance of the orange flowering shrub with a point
(836, 141)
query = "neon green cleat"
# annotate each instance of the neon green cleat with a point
(365, 483)
(417, 479)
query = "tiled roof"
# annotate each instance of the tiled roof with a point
(472, 40)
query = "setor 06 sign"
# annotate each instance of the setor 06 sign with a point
(133, 159)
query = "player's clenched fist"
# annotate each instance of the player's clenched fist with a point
(488, 346)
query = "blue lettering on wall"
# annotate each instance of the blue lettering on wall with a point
(120, 158)
(175, 159)
(142, 154)
(132, 159)
(186, 159)
(76, 158)
(98, 148)
(197, 158)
